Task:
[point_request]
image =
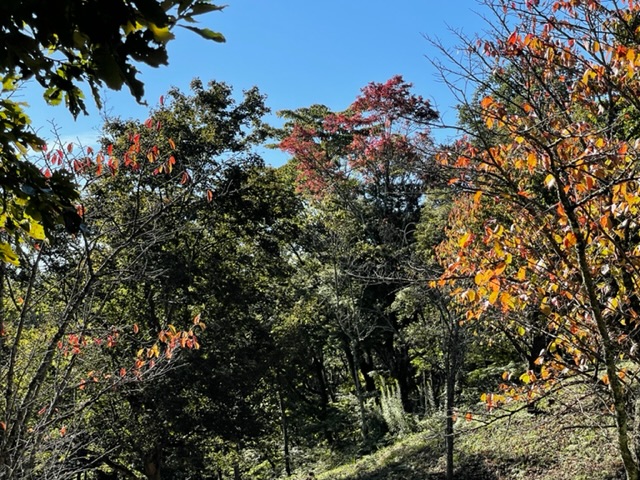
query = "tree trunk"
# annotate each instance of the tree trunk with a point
(453, 355)
(608, 347)
(152, 464)
(285, 436)
(359, 392)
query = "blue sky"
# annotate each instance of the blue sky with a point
(297, 52)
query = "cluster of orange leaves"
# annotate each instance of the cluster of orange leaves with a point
(556, 181)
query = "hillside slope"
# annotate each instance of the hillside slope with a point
(547, 446)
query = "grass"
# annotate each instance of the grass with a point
(558, 444)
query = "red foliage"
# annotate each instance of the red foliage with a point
(384, 129)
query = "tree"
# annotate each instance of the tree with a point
(58, 344)
(371, 161)
(552, 177)
(60, 45)
(218, 250)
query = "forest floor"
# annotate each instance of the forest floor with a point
(559, 442)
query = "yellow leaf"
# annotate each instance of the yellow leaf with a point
(36, 231)
(160, 34)
(525, 377)
(522, 273)
(549, 181)
(631, 55)
(464, 240)
(8, 255)
(532, 160)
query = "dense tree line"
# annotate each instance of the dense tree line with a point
(172, 307)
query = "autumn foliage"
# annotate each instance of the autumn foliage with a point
(551, 167)
(385, 131)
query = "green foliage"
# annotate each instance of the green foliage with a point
(220, 249)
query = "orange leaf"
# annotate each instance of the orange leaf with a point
(172, 144)
(477, 197)
(494, 296)
(468, 417)
(570, 240)
(487, 102)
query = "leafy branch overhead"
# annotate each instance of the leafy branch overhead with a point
(62, 45)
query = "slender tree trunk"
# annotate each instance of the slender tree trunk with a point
(285, 436)
(359, 393)
(608, 347)
(453, 362)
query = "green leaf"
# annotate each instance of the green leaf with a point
(206, 33)
(204, 7)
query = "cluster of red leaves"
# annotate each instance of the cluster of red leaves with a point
(386, 124)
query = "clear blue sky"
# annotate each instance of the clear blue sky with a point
(298, 53)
